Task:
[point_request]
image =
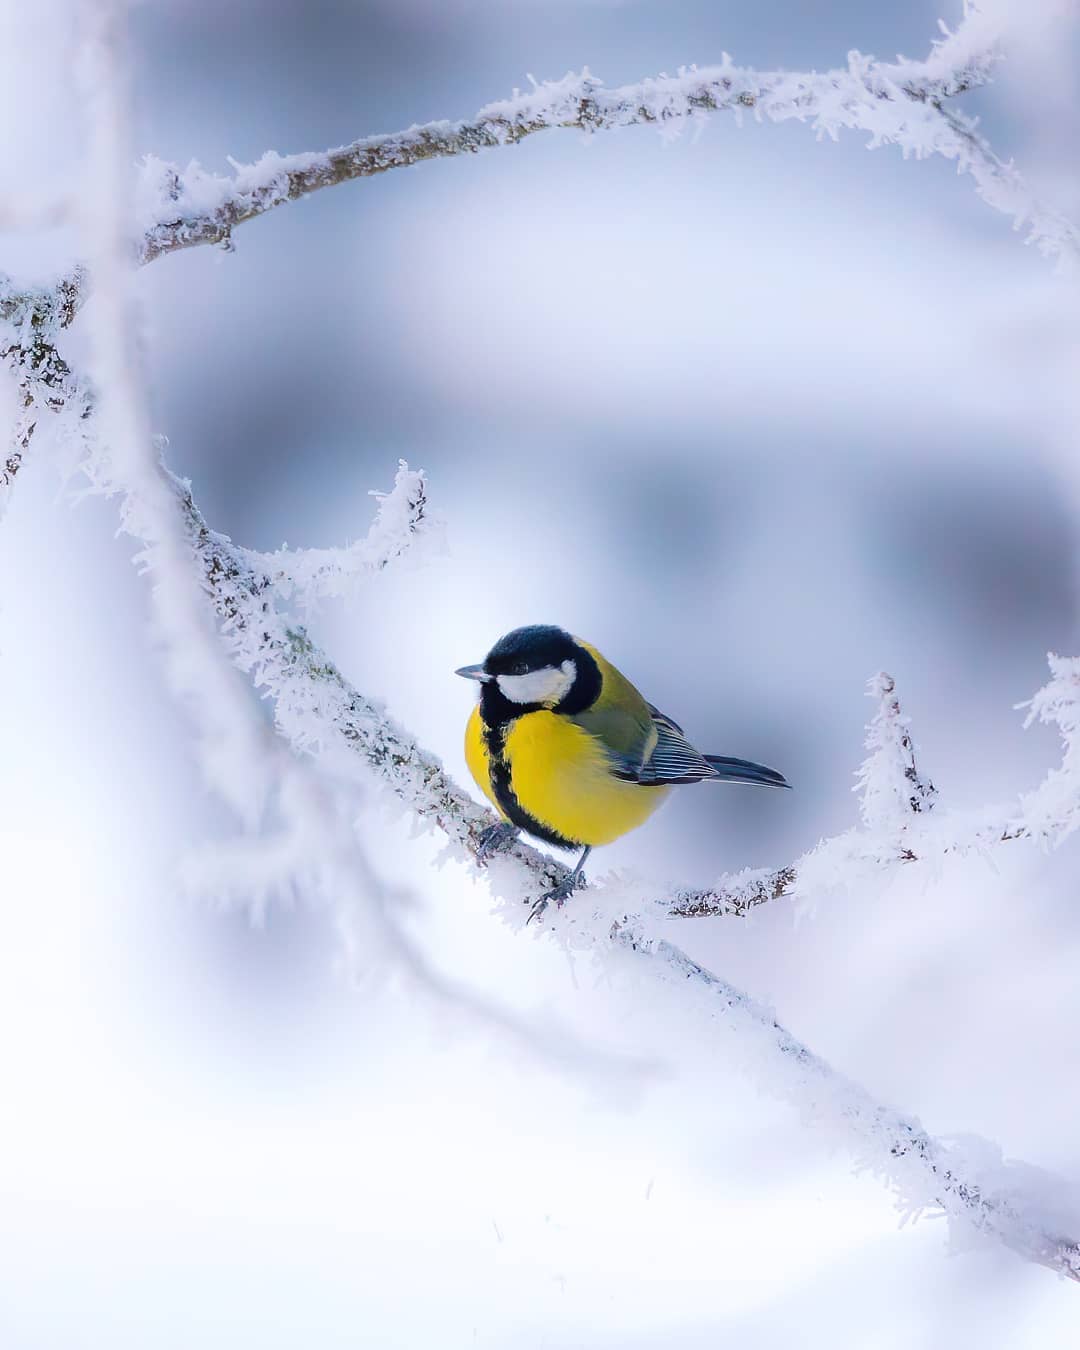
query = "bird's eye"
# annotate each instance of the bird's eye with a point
(520, 669)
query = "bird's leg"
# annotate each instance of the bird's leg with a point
(494, 839)
(564, 890)
(577, 876)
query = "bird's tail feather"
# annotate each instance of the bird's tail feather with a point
(744, 771)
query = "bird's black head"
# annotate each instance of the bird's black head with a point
(527, 650)
(536, 667)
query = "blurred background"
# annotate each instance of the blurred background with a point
(756, 415)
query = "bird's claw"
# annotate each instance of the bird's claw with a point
(558, 895)
(494, 839)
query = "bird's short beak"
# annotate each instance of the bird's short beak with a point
(473, 673)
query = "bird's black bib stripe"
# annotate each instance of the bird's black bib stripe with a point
(500, 773)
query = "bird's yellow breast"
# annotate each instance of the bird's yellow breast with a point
(562, 777)
(477, 758)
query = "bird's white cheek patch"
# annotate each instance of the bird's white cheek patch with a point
(548, 685)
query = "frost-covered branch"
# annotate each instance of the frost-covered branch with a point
(1002, 186)
(861, 856)
(899, 825)
(180, 209)
(315, 707)
(315, 846)
(299, 834)
(959, 60)
(312, 574)
(968, 1180)
(898, 103)
(1052, 811)
(889, 783)
(122, 459)
(28, 346)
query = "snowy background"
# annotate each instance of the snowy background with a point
(757, 416)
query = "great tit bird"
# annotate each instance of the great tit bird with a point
(565, 748)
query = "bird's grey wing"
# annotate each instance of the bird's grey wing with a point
(673, 758)
(664, 719)
(650, 749)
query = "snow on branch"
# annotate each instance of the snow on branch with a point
(891, 788)
(1052, 811)
(1002, 187)
(958, 61)
(896, 803)
(122, 460)
(901, 103)
(315, 707)
(967, 1180)
(32, 321)
(314, 847)
(892, 103)
(312, 574)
